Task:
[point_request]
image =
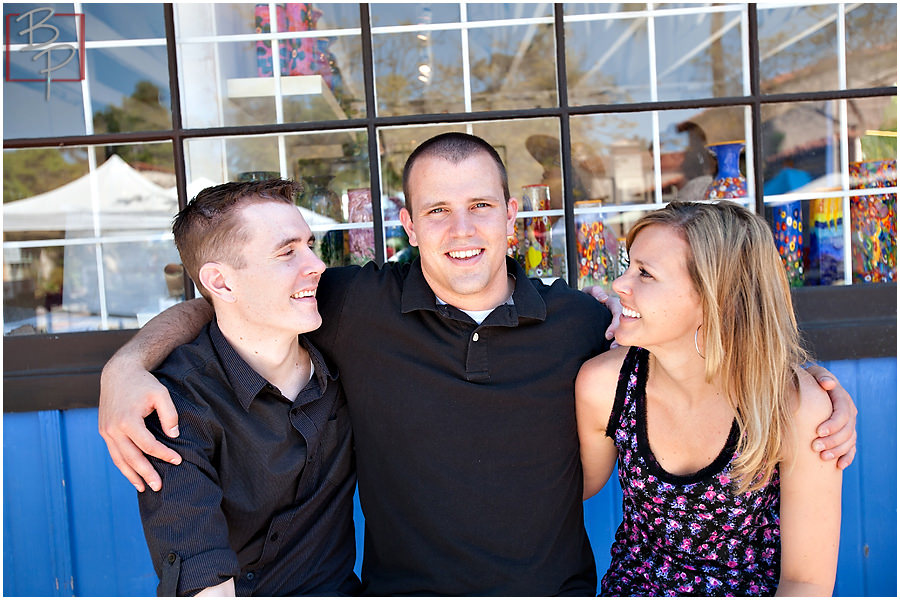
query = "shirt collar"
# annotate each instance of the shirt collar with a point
(527, 301)
(247, 383)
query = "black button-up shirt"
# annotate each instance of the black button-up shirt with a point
(264, 493)
(467, 449)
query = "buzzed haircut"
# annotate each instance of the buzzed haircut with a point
(453, 147)
(208, 230)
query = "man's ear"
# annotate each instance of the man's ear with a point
(512, 209)
(214, 277)
(406, 219)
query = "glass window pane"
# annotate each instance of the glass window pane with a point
(140, 280)
(388, 13)
(334, 170)
(130, 89)
(687, 163)
(216, 160)
(332, 166)
(418, 73)
(49, 289)
(611, 156)
(513, 67)
(232, 82)
(871, 31)
(699, 55)
(132, 193)
(124, 21)
(607, 61)
(34, 106)
(107, 251)
(46, 194)
(30, 172)
(800, 147)
(56, 289)
(798, 49)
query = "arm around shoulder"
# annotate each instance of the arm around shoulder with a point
(810, 503)
(128, 392)
(595, 392)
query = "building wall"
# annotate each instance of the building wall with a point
(71, 525)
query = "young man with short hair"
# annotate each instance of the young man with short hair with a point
(262, 503)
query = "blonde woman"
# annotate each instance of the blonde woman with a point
(710, 417)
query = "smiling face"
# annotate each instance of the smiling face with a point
(460, 223)
(660, 305)
(273, 289)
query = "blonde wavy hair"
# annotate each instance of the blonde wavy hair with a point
(752, 345)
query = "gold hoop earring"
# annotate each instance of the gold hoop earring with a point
(696, 346)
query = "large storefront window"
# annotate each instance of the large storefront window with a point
(239, 66)
(601, 112)
(89, 247)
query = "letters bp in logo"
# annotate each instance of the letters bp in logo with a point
(36, 33)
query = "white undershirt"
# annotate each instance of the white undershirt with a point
(477, 315)
(312, 370)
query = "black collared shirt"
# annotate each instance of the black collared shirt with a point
(264, 493)
(467, 450)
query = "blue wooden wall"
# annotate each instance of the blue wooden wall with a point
(71, 525)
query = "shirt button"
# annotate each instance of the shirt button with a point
(475, 337)
(171, 558)
(250, 576)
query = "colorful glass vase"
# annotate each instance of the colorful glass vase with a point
(874, 222)
(826, 242)
(537, 235)
(596, 255)
(728, 182)
(788, 224)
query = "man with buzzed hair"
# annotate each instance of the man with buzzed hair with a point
(262, 503)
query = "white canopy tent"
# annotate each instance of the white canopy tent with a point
(126, 201)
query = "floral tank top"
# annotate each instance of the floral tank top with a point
(685, 534)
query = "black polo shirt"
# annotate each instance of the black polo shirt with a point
(264, 493)
(467, 450)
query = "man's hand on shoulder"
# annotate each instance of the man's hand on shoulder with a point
(837, 435)
(612, 303)
(127, 395)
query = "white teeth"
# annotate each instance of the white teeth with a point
(631, 313)
(464, 253)
(304, 294)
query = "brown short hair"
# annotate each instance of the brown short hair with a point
(207, 228)
(454, 147)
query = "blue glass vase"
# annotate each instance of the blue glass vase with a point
(728, 182)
